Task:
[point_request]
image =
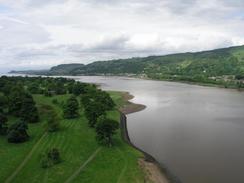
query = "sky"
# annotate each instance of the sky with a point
(38, 34)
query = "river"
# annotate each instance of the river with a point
(196, 132)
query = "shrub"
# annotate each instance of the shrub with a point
(3, 123)
(50, 158)
(17, 132)
(55, 101)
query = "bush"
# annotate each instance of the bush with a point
(55, 101)
(3, 123)
(17, 132)
(50, 158)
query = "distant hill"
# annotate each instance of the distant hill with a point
(65, 69)
(218, 66)
(31, 72)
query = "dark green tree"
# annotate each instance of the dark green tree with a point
(104, 98)
(78, 88)
(3, 101)
(71, 108)
(29, 112)
(92, 111)
(3, 123)
(17, 132)
(34, 88)
(105, 129)
(15, 98)
(6, 88)
(53, 121)
(50, 158)
(59, 88)
(54, 155)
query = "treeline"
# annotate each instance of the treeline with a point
(16, 101)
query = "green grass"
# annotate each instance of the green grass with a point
(76, 142)
(117, 97)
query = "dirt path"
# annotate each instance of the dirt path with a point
(22, 164)
(76, 173)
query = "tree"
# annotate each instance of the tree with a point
(92, 111)
(3, 123)
(29, 112)
(105, 129)
(15, 98)
(95, 103)
(3, 101)
(104, 98)
(59, 88)
(34, 89)
(71, 108)
(17, 132)
(78, 88)
(70, 87)
(6, 88)
(53, 121)
(50, 158)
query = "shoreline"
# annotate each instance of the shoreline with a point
(154, 171)
(130, 107)
(210, 85)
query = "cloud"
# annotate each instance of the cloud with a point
(41, 33)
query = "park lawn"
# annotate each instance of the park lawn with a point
(76, 143)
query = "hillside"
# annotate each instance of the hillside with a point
(64, 69)
(221, 66)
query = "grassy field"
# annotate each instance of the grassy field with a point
(83, 160)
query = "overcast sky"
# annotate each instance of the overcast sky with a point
(38, 34)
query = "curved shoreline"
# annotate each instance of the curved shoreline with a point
(158, 173)
(130, 107)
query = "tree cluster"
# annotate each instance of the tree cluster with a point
(16, 99)
(96, 103)
(21, 104)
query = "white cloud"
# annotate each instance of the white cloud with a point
(41, 33)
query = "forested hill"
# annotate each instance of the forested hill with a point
(216, 66)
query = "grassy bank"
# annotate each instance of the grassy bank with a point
(77, 144)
